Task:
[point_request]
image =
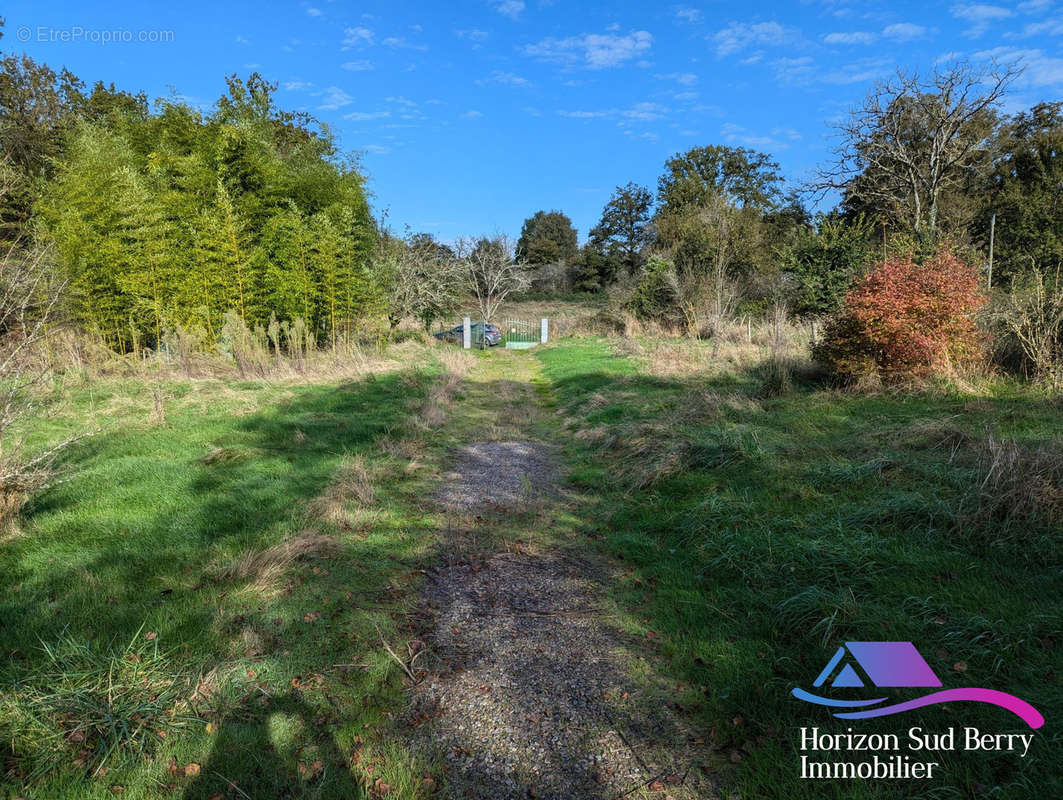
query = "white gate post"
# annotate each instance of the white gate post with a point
(543, 331)
(466, 333)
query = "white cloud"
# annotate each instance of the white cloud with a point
(798, 70)
(473, 114)
(740, 35)
(646, 112)
(594, 50)
(473, 34)
(376, 149)
(980, 15)
(860, 71)
(315, 12)
(358, 66)
(1050, 27)
(683, 78)
(736, 134)
(903, 31)
(402, 101)
(640, 112)
(506, 79)
(357, 37)
(361, 116)
(980, 12)
(510, 8)
(689, 15)
(402, 43)
(335, 97)
(296, 86)
(1039, 69)
(853, 37)
(242, 40)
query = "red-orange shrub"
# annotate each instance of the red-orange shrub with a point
(905, 319)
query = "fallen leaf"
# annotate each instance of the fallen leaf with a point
(151, 636)
(656, 786)
(960, 666)
(191, 770)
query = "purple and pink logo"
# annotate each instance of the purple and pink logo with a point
(899, 664)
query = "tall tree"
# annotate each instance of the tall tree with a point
(1025, 191)
(744, 177)
(547, 237)
(624, 232)
(915, 138)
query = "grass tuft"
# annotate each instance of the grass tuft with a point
(89, 707)
(1019, 492)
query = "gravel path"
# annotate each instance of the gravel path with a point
(530, 691)
(501, 475)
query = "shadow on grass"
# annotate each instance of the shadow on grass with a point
(145, 532)
(274, 746)
(779, 527)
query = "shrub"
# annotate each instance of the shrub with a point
(656, 295)
(1017, 497)
(905, 319)
(1031, 321)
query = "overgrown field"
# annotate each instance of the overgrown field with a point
(763, 531)
(203, 607)
(203, 600)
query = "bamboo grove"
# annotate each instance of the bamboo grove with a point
(174, 217)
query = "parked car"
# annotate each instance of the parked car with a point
(480, 333)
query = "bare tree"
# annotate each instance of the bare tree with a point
(491, 272)
(30, 291)
(1033, 316)
(424, 278)
(914, 138)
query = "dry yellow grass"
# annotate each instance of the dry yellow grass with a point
(262, 570)
(351, 488)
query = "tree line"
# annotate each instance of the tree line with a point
(163, 215)
(922, 162)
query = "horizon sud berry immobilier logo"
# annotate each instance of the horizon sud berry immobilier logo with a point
(857, 668)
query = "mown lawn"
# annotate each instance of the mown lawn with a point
(762, 533)
(250, 544)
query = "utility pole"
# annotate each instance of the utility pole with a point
(992, 231)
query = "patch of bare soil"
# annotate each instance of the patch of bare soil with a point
(530, 691)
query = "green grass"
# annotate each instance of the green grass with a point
(195, 609)
(141, 543)
(762, 533)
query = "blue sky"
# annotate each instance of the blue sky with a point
(473, 115)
